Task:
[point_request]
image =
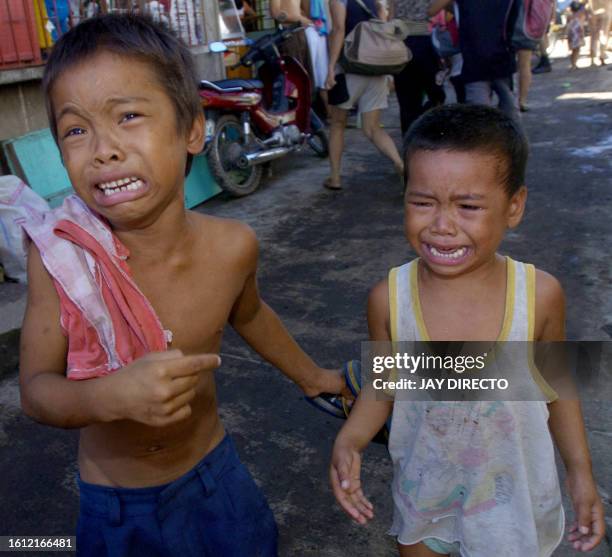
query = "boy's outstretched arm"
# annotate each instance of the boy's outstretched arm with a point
(365, 420)
(155, 390)
(567, 426)
(263, 330)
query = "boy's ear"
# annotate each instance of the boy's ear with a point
(517, 207)
(195, 139)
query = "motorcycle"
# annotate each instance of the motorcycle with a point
(250, 122)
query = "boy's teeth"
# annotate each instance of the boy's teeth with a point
(454, 254)
(131, 185)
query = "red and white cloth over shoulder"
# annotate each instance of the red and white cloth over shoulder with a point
(107, 320)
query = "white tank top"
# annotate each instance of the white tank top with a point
(479, 473)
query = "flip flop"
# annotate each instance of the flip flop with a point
(327, 183)
(339, 407)
(330, 404)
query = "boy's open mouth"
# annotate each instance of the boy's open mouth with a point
(450, 254)
(123, 184)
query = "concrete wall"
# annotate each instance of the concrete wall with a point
(22, 108)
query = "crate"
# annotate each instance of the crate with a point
(18, 35)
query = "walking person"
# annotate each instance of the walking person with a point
(599, 23)
(525, 44)
(489, 61)
(417, 81)
(346, 91)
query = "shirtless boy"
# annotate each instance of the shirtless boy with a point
(158, 474)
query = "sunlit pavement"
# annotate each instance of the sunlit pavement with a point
(320, 253)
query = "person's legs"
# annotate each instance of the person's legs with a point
(459, 87)
(478, 92)
(416, 80)
(507, 99)
(338, 117)
(543, 66)
(574, 58)
(606, 20)
(429, 63)
(595, 25)
(409, 92)
(370, 125)
(524, 76)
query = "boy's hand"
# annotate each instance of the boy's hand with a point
(588, 529)
(344, 474)
(326, 381)
(157, 389)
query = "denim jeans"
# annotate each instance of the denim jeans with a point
(481, 92)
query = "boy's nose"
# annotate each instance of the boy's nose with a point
(443, 224)
(107, 149)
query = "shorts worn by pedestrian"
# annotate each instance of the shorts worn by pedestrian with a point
(128, 297)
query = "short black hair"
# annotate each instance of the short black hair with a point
(462, 127)
(133, 36)
(576, 7)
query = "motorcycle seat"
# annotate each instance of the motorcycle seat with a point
(245, 84)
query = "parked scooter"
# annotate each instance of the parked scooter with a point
(250, 122)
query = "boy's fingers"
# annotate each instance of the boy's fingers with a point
(341, 496)
(166, 355)
(179, 401)
(180, 385)
(180, 414)
(597, 528)
(188, 365)
(362, 506)
(583, 517)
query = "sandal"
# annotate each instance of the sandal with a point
(339, 406)
(331, 185)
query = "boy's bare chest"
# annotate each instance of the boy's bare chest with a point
(193, 304)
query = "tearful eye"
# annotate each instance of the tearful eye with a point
(74, 131)
(129, 116)
(471, 207)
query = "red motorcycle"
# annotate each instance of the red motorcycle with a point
(250, 122)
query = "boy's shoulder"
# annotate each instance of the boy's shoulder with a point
(549, 307)
(225, 236)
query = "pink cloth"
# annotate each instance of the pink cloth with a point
(106, 318)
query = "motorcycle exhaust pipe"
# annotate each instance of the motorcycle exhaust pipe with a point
(251, 159)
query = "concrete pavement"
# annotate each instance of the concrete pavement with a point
(320, 253)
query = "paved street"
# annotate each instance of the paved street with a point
(320, 253)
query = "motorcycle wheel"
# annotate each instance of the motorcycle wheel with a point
(224, 152)
(319, 143)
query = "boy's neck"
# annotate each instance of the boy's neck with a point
(169, 234)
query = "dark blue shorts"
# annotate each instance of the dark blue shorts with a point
(215, 510)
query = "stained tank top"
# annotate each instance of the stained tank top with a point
(479, 473)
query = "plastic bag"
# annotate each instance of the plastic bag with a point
(18, 202)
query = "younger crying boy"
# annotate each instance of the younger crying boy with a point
(470, 478)
(128, 297)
